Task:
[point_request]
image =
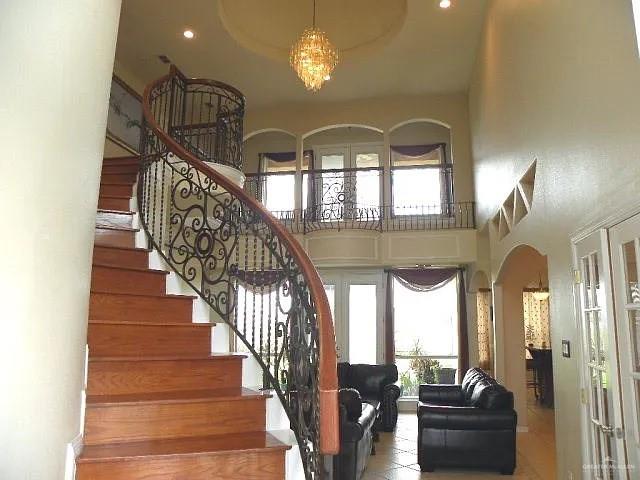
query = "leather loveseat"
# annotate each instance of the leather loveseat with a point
(377, 386)
(368, 403)
(468, 425)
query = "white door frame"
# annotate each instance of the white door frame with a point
(626, 231)
(342, 279)
(600, 241)
(622, 210)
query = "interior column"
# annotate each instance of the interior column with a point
(57, 58)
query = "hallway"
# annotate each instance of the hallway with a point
(396, 453)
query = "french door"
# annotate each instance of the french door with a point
(356, 307)
(350, 179)
(602, 415)
(625, 253)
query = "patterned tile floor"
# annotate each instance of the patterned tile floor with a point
(396, 453)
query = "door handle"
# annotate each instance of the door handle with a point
(614, 432)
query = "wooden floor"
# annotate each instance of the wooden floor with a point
(396, 457)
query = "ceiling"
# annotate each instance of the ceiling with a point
(388, 47)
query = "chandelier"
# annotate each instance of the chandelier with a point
(313, 57)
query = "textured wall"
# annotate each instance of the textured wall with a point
(557, 81)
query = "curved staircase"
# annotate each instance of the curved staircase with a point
(159, 404)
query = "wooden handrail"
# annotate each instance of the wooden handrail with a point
(327, 381)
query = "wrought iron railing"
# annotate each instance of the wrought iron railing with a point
(350, 199)
(206, 119)
(236, 256)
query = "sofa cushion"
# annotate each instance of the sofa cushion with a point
(497, 398)
(490, 395)
(370, 380)
(350, 399)
(472, 376)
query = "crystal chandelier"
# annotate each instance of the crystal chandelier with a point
(313, 57)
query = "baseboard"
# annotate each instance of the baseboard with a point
(74, 448)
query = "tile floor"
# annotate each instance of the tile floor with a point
(396, 453)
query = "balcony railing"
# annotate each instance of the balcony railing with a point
(350, 199)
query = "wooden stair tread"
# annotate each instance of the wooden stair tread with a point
(99, 321)
(118, 228)
(119, 197)
(159, 295)
(234, 442)
(116, 212)
(185, 396)
(162, 358)
(113, 182)
(117, 247)
(133, 269)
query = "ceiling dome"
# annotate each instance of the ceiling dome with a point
(270, 28)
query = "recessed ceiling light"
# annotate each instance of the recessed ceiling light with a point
(188, 34)
(445, 3)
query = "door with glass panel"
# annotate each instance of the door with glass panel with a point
(625, 252)
(331, 184)
(348, 187)
(602, 414)
(357, 314)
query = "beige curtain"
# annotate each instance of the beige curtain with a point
(536, 321)
(483, 302)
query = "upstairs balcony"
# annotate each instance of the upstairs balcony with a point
(354, 198)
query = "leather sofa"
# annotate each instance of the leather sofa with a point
(368, 403)
(377, 385)
(467, 425)
(357, 432)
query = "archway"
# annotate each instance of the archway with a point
(523, 270)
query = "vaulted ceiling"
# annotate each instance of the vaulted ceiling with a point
(388, 47)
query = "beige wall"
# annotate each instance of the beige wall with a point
(557, 81)
(265, 142)
(57, 60)
(383, 114)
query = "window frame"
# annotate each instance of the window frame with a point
(445, 167)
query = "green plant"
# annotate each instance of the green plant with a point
(425, 369)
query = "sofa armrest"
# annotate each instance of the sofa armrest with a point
(389, 407)
(370, 380)
(465, 418)
(436, 394)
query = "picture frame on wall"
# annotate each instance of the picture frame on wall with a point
(124, 120)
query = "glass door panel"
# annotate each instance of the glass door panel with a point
(355, 300)
(362, 323)
(599, 359)
(625, 252)
(330, 185)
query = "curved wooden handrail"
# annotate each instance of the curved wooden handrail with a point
(327, 381)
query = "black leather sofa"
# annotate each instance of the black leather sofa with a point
(377, 385)
(368, 403)
(468, 425)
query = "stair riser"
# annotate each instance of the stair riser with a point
(268, 465)
(112, 340)
(123, 423)
(121, 258)
(141, 309)
(113, 280)
(120, 168)
(124, 377)
(123, 177)
(108, 219)
(116, 190)
(114, 203)
(115, 238)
